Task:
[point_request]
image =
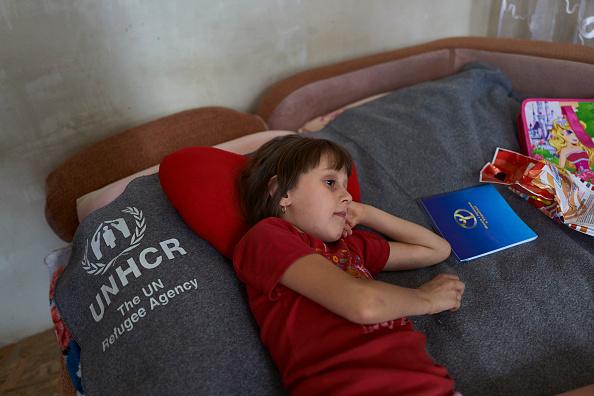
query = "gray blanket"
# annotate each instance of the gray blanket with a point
(526, 326)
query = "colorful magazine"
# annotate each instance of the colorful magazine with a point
(556, 192)
(560, 131)
(476, 221)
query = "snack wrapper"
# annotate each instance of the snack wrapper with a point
(556, 192)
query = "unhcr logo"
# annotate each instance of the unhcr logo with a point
(112, 239)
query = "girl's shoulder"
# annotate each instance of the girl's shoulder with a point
(271, 222)
(272, 228)
(271, 235)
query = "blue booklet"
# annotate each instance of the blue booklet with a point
(476, 221)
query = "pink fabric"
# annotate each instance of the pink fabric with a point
(317, 351)
(320, 122)
(102, 197)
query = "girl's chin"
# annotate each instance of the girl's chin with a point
(327, 234)
(334, 238)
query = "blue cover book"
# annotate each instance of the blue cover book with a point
(476, 221)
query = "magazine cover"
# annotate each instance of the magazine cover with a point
(557, 193)
(476, 221)
(560, 131)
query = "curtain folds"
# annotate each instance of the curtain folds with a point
(550, 20)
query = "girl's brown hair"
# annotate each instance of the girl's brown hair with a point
(285, 157)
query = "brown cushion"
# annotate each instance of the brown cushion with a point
(133, 150)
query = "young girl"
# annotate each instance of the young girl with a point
(331, 328)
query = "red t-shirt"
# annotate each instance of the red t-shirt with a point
(317, 351)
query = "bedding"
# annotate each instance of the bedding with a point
(56, 261)
(526, 324)
(320, 122)
(500, 342)
(540, 69)
(160, 312)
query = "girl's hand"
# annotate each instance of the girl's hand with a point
(444, 292)
(355, 215)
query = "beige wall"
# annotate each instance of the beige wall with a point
(74, 71)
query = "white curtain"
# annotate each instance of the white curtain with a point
(550, 20)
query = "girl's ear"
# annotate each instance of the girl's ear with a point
(273, 186)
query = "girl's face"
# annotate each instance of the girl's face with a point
(569, 136)
(319, 202)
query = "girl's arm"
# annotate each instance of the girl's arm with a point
(412, 245)
(369, 301)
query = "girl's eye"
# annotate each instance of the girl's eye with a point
(330, 182)
(569, 132)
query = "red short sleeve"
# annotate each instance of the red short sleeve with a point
(266, 251)
(373, 249)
